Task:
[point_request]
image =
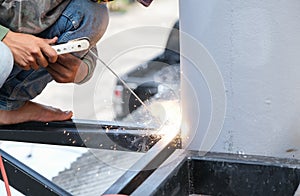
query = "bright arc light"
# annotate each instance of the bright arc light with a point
(169, 113)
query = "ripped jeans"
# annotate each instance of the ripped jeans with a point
(79, 19)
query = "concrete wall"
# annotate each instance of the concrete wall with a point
(241, 76)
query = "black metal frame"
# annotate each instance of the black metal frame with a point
(91, 134)
(146, 165)
(28, 181)
(190, 172)
(165, 169)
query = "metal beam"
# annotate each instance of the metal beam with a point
(91, 134)
(27, 181)
(146, 165)
(173, 164)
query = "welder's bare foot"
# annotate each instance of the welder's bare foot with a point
(31, 111)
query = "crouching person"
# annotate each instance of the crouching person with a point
(27, 60)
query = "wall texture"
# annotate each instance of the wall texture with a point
(255, 46)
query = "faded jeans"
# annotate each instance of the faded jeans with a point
(80, 19)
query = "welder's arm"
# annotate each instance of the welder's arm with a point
(91, 62)
(3, 32)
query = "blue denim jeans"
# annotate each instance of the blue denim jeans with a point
(80, 19)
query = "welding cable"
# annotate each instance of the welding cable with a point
(4, 176)
(127, 86)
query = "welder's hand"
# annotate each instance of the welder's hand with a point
(30, 51)
(68, 68)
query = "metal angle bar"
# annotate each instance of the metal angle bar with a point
(152, 184)
(146, 165)
(27, 181)
(91, 134)
(78, 123)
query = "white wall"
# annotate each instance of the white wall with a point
(256, 47)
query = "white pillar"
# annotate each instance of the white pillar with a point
(255, 45)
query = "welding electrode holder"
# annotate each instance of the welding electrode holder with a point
(76, 45)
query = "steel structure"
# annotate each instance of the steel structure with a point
(90, 134)
(164, 169)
